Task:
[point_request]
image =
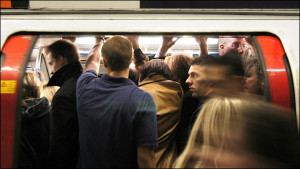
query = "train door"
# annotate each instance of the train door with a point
(18, 51)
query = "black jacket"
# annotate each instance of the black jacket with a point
(35, 131)
(64, 139)
(189, 105)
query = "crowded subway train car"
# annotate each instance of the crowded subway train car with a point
(270, 41)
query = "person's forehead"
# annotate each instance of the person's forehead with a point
(49, 57)
(196, 69)
(235, 40)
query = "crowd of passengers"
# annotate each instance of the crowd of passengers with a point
(164, 111)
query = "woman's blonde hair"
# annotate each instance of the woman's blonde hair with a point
(212, 128)
(49, 92)
(32, 86)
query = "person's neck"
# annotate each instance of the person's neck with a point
(123, 73)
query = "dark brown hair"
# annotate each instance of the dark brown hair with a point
(156, 67)
(32, 87)
(65, 49)
(205, 60)
(254, 63)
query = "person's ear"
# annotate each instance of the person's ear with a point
(61, 60)
(262, 85)
(131, 60)
(139, 79)
(221, 46)
(104, 62)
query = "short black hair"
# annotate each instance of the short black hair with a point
(206, 60)
(65, 49)
(234, 63)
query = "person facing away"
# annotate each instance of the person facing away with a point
(241, 133)
(65, 66)
(117, 120)
(211, 128)
(157, 79)
(35, 124)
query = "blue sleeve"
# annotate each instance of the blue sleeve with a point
(146, 126)
(84, 79)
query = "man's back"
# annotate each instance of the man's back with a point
(115, 117)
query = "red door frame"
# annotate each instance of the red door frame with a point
(17, 50)
(277, 74)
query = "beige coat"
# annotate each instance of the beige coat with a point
(167, 96)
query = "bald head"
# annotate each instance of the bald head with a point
(234, 45)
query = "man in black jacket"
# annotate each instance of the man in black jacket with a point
(65, 66)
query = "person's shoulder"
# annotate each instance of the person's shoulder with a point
(88, 73)
(67, 90)
(64, 98)
(69, 85)
(141, 94)
(70, 81)
(91, 72)
(86, 77)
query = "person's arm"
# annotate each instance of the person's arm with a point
(93, 59)
(134, 39)
(202, 45)
(168, 42)
(139, 59)
(146, 157)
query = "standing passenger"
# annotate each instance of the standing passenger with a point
(117, 120)
(212, 128)
(254, 78)
(157, 79)
(211, 76)
(233, 45)
(199, 80)
(241, 133)
(35, 124)
(179, 65)
(65, 66)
